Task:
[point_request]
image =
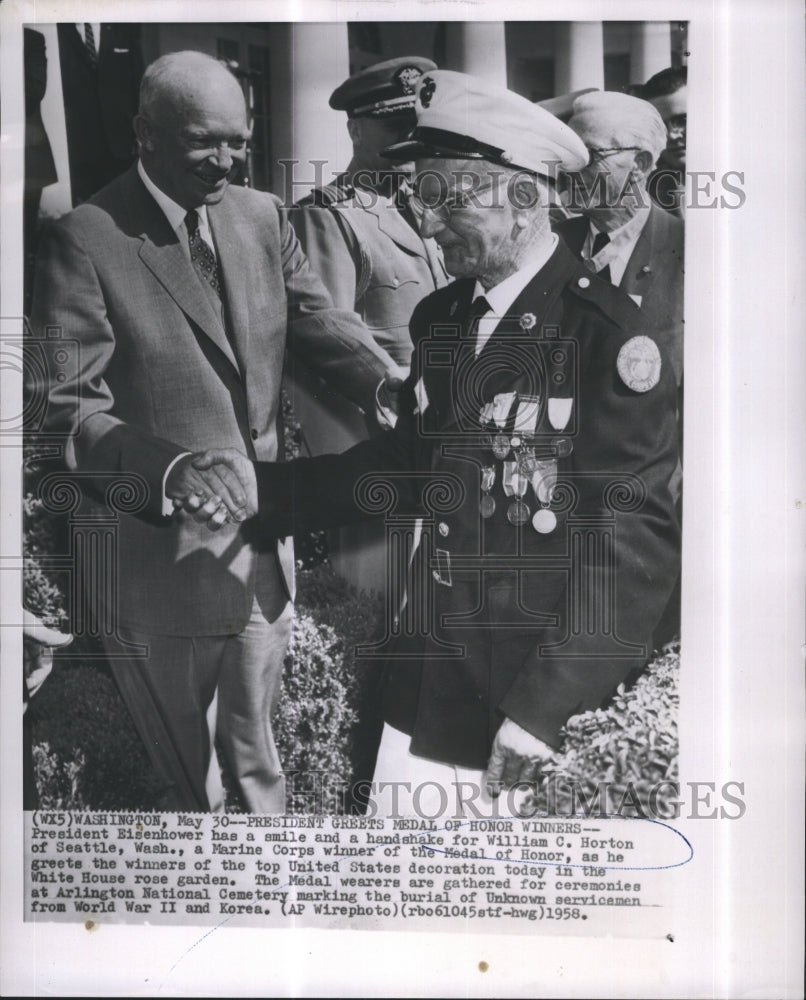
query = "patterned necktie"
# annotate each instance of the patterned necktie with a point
(202, 257)
(89, 43)
(600, 241)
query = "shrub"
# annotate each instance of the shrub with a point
(630, 746)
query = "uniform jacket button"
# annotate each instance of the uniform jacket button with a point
(443, 529)
(254, 434)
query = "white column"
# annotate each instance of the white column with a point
(308, 65)
(478, 48)
(56, 198)
(579, 47)
(650, 49)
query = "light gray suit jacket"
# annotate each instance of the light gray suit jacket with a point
(152, 373)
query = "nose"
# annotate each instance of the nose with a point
(431, 222)
(222, 157)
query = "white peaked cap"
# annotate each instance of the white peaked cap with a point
(464, 117)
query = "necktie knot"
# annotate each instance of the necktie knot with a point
(478, 308)
(600, 241)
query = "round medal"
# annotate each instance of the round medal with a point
(562, 447)
(527, 465)
(487, 506)
(500, 446)
(544, 521)
(518, 513)
(515, 442)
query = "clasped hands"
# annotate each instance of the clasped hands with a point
(217, 486)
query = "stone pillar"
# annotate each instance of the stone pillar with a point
(56, 198)
(650, 49)
(308, 62)
(579, 47)
(478, 48)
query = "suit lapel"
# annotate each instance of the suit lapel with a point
(164, 256)
(228, 235)
(639, 274)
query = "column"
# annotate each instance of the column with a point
(308, 62)
(579, 56)
(56, 198)
(478, 48)
(650, 49)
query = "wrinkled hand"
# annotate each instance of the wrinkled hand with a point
(388, 396)
(231, 465)
(38, 644)
(214, 493)
(516, 757)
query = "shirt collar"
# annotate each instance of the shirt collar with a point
(501, 296)
(174, 213)
(622, 237)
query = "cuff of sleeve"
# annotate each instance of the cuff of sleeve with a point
(167, 502)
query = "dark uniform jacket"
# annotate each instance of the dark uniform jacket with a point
(655, 272)
(503, 620)
(370, 259)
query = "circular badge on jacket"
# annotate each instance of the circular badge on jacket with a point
(639, 364)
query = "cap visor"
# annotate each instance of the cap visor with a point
(409, 149)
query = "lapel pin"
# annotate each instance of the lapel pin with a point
(646, 269)
(527, 321)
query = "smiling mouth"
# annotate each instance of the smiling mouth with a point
(212, 180)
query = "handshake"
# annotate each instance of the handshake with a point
(217, 486)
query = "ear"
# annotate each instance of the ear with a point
(524, 192)
(144, 133)
(356, 131)
(643, 161)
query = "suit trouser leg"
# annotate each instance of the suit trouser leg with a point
(167, 693)
(248, 689)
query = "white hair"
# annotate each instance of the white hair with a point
(609, 119)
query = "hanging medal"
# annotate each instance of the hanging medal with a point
(487, 502)
(544, 479)
(516, 484)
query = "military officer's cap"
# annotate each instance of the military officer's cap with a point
(463, 117)
(384, 90)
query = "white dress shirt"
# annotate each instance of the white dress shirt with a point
(175, 214)
(501, 296)
(618, 251)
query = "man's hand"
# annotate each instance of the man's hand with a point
(214, 493)
(387, 397)
(231, 467)
(516, 756)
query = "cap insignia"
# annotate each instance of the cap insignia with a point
(407, 77)
(427, 90)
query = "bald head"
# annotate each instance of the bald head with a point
(191, 127)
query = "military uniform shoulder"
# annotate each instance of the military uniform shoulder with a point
(327, 196)
(600, 294)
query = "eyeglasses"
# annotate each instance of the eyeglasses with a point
(445, 203)
(596, 155)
